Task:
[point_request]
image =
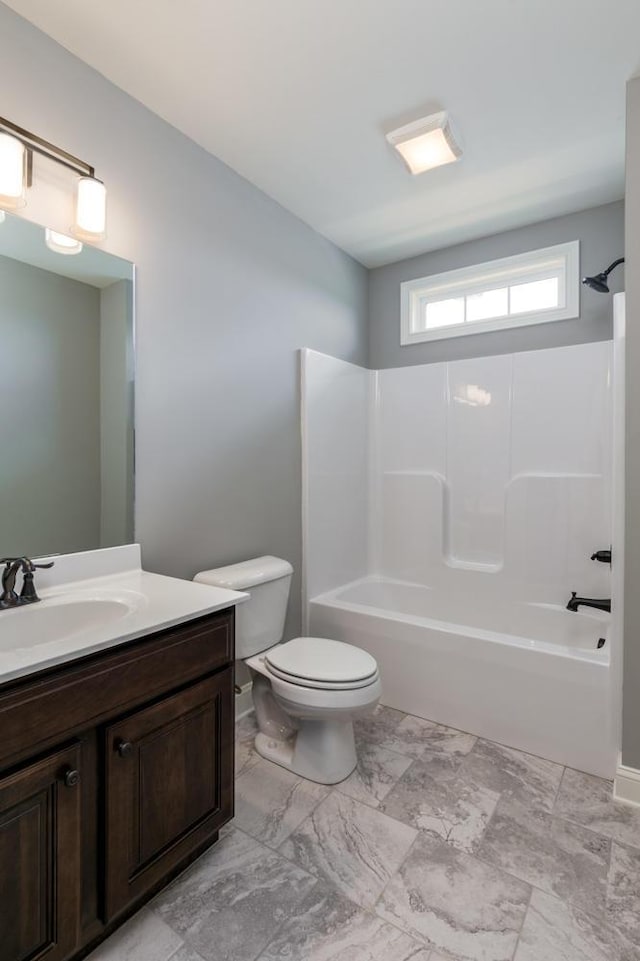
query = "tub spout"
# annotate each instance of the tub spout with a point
(599, 605)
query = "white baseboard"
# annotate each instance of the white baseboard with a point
(626, 786)
(244, 701)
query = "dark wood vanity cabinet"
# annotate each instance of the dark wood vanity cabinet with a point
(40, 859)
(165, 778)
(115, 771)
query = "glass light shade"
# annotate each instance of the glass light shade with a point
(425, 144)
(13, 187)
(60, 243)
(91, 210)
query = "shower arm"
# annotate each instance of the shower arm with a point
(613, 266)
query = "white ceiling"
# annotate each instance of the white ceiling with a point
(296, 95)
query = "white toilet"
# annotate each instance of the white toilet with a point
(305, 692)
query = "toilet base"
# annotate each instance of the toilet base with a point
(322, 751)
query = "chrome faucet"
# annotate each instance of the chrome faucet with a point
(13, 565)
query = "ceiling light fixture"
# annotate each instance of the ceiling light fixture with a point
(61, 243)
(426, 143)
(17, 147)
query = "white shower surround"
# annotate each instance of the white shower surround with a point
(449, 510)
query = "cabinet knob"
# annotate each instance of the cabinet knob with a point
(124, 748)
(71, 777)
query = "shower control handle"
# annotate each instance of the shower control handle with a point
(603, 556)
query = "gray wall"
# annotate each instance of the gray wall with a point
(601, 233)
(631, 692)
(116, 414)
(50, 423)
(228, 286)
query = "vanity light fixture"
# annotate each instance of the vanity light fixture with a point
(61, 243)
(91, 209)
(17, 147)
(13, 172)
(426, 143)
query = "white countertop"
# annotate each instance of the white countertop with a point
(90, 614)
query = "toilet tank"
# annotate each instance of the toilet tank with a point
(260, 620)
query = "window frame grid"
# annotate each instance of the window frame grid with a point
(561, 261)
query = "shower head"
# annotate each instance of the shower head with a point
(599, 281)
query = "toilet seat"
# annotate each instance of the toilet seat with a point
(317, 662)
(321, 685)
(301, 700)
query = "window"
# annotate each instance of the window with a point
(531, 288)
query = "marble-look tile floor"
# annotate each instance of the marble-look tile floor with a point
(440, 847)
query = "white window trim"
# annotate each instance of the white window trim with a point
(534, 265)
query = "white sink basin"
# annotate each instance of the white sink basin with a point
(93, 601)
(63, 615)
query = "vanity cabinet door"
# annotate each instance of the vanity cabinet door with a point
(40, 859)
(169, 786)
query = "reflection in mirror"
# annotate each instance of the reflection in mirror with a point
(66, 387)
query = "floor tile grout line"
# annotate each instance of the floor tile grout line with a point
(187, 944)
(396, 872)
(524, 921)
(270, 847)
(534, 887)
(391, 750)
(557, 794)
(370, 804)
(586, 827)
(419, 939)
(180, 947)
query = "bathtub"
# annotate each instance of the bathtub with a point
(529, 675)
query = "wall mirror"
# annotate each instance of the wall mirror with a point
(66, 383)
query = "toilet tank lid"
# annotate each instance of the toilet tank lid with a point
(235, 577)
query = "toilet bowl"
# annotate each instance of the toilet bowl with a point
(307, 691)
